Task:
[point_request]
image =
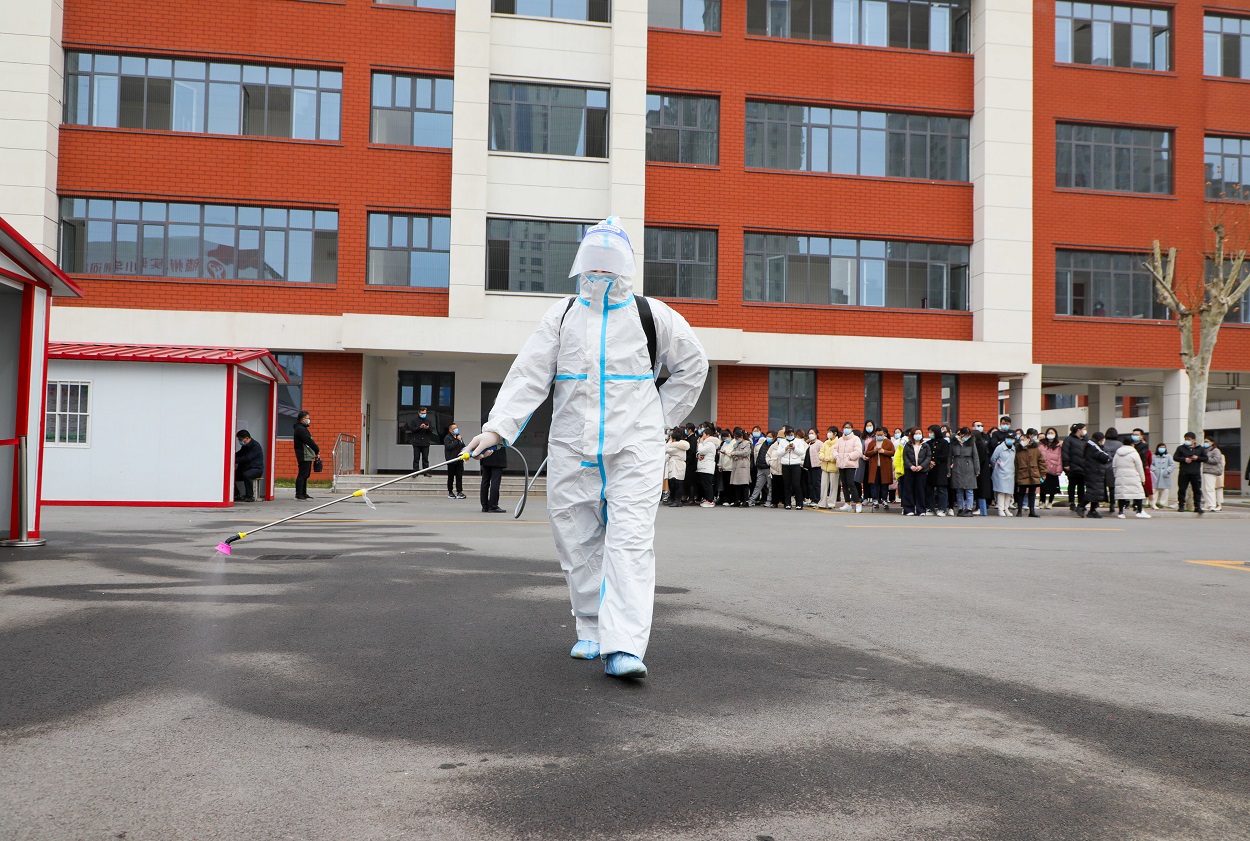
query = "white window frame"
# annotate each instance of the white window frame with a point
(56, 413)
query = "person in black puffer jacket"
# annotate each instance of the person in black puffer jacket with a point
(1096, 461)
(1073, 452)
(306, 452)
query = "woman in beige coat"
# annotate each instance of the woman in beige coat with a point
(675, 466)
(1130, 480)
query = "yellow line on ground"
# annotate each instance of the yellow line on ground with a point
(1237, 565)
(507, 522)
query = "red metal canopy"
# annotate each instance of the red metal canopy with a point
(164, 353)
(35, 267)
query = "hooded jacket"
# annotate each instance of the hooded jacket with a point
(1072, 453)
(675, 459)
(1214, 465)
(1052, 458)
(1162, 469)
(1130, 474)
(828, 455)
(941, 448)
(965, 465)
(1029, 464)
(848, 451)
(1004, 461)
(786, 456)
(740, 471)
(1096, 460)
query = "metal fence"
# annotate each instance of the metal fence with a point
(344, 459)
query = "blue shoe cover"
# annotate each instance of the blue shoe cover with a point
(585, 650)
(621, 664)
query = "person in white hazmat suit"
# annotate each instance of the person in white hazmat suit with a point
(605, 460)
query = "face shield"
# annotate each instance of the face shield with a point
(605, 248)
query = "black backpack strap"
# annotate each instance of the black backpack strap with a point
(567, 307)
(648, 326)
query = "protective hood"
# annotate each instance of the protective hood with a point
(605, 248)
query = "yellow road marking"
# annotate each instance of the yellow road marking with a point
(1238, 565)
(509, 521)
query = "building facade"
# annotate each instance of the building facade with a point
(855, 202)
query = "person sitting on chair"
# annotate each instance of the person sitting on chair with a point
(249, 464)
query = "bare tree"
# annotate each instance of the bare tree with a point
(1223, 283)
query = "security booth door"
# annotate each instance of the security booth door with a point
(252, 412)
(11, 354)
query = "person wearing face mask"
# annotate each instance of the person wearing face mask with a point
(861, 485)
(1138, 442)
(1190, 457)
(422, 433)
(811, 468)
(756, 435)
(1111, 443)
(709, 443)
(940, 473)
(1003, 460)
(1096, 462)
(828, 470)
(1002, 431)
(985, 478)
(1072, 454)
(879, 474)
(1130, 481)
(917, 460)
(690, 487)
(965, 470)
(724, 466)
(453, 445)
(306, 452)
(1162, 477)
(1052, 460)
(763, 470)
(1029, 470)
(1212, 476)
(791, 452)
(848, 455)
(597, 353)
(740, 471)
(896, 487)
(675, 450)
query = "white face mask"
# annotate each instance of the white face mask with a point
(918, 437)
(1050, 436)
(847, 431)
(811, 436)
(829, 436)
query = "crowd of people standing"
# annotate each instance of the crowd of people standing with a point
(940, 471)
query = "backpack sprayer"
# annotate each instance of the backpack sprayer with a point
(224, 548)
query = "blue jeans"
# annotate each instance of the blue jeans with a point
(963, 498)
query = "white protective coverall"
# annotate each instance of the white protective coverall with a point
(606, 449)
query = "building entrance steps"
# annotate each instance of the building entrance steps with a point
(434, 485)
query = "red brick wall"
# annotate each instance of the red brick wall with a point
(332, 387)
(351, 176)
(742, 397)
(1181, 100)
(732, 200)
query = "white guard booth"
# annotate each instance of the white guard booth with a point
(155, 424)
(28, 282)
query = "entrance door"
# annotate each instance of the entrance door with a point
(533, 439)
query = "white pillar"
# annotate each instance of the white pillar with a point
(1245, 442)
(1155, 418)
(1025, 396)
(466, 294)
(1102, 413)
(31, 67)
(1175, 407)
(628, 124)
(1001, 168)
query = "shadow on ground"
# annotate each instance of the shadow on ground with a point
(450, 649)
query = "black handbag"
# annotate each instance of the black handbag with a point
(317, 465)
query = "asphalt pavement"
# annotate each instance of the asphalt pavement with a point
(402, 673)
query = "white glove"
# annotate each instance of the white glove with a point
(483, 442)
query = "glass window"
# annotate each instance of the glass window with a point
(937, 25)
(411, 110)
(872, 396)
(683, 129)
(548, 120)
(680, 263)
(592, 10)
(291, 393)
(791, 398)
(218, 242)
(1107, 158)
(67, 418)
(530, 255)
(812, 139)
(409, 250)
(198, 97)
(911, 401)
(950, 400)
(1113, 36)
(420, 4)
(695, 15)
(1226, 46)
(1227, 161)
(1104, 285)
(845, 272)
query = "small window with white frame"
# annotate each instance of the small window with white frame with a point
(68, 414)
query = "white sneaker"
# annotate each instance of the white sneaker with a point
(1143, 516)
(859, 509)
(910, 514)
(1218, 508)
(941, 513)
(706, 504)
(846, 506)
(1119, 516)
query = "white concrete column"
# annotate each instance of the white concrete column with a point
(1155, 416)
(628, 121)
(469, 161)
(1102, 413)
(32, 88)
(1025, 399)
(1175, 408)
(1245, 442)
(1001, 168)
